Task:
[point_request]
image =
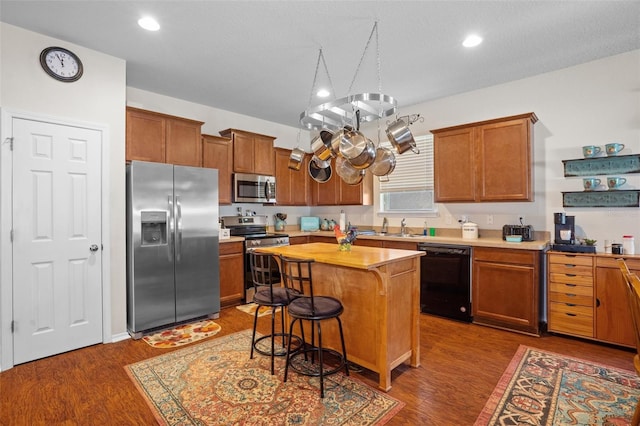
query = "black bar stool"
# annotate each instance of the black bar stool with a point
(269, 292)
(296, 276)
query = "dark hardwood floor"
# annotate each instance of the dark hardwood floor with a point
(461, 364)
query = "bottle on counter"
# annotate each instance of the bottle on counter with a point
(628, 244)
(424, 230)
(343, 221)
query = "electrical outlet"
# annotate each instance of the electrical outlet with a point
(448, 219)
(490, 219)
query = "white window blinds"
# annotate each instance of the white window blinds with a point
(413, 172)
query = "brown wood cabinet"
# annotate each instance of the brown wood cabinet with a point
(588, 297)
(486, 161)
(337, 192)
(162, 138)
(298, 240)
(252, 152)
(293, 187)
(217, 153)
(570, 287)
(231, 273)
(505, 288)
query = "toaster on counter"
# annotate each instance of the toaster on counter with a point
(525, 230)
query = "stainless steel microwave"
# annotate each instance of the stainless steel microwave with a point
(249, 188)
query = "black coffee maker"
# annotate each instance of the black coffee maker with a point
(565, 228)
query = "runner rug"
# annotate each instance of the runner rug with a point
(215, 382)
(545, 388)
(183, 334)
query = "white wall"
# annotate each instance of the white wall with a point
(97, 98)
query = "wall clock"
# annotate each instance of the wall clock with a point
(61, 64)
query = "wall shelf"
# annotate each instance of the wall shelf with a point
(602, 165)
(624, 198)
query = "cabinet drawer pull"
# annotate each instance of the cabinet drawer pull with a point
(570, 285)
(570, 295)
(571, 315)
(569, 265)
(570, 304)
(570, 275)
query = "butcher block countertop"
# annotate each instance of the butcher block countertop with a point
(487, 239)
(360, 257)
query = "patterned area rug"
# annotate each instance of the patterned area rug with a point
(215, 383)
(250, 308)
(544, 388)
(183, 334)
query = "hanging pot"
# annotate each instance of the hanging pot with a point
(349, 174)
(321, 145)
(296, 158)
(385, 162)
(320, 175)
(366, 157)
(357, 148)
(336, 138)
(401, 138)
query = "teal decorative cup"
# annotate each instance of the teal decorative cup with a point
(614, 182)
(613, 148)
(591, 151)
(590, 184)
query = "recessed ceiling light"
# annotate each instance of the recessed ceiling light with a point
(472, 40)
(323, 93)
(148, 23)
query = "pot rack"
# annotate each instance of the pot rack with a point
(336, 113)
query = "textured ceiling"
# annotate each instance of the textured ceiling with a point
(259, 57)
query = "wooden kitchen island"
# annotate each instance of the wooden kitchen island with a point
(380, 291)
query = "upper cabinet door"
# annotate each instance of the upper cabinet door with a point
(146, 136)
(184, 144)
(217, 153)
(454, 166)
(243, 153)
(504, 161)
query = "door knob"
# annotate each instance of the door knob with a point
(93, 248)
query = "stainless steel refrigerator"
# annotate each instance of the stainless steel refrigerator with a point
(172, 245)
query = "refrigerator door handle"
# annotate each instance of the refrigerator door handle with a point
(171, 227)
(178, 229)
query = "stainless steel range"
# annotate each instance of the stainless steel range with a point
(254, 231)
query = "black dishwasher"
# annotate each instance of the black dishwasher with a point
(445, 280)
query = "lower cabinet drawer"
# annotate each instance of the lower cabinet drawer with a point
(566, 318)
(572, 279)
(571, 299)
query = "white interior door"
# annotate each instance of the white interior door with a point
(57, 286)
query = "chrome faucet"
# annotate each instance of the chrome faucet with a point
(403, 227)
(385, 226)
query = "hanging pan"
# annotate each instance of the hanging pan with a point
(320, 175)
(401, 138)
(385, 162)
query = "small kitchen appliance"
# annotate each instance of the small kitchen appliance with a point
(565, 235)
(526, 231)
